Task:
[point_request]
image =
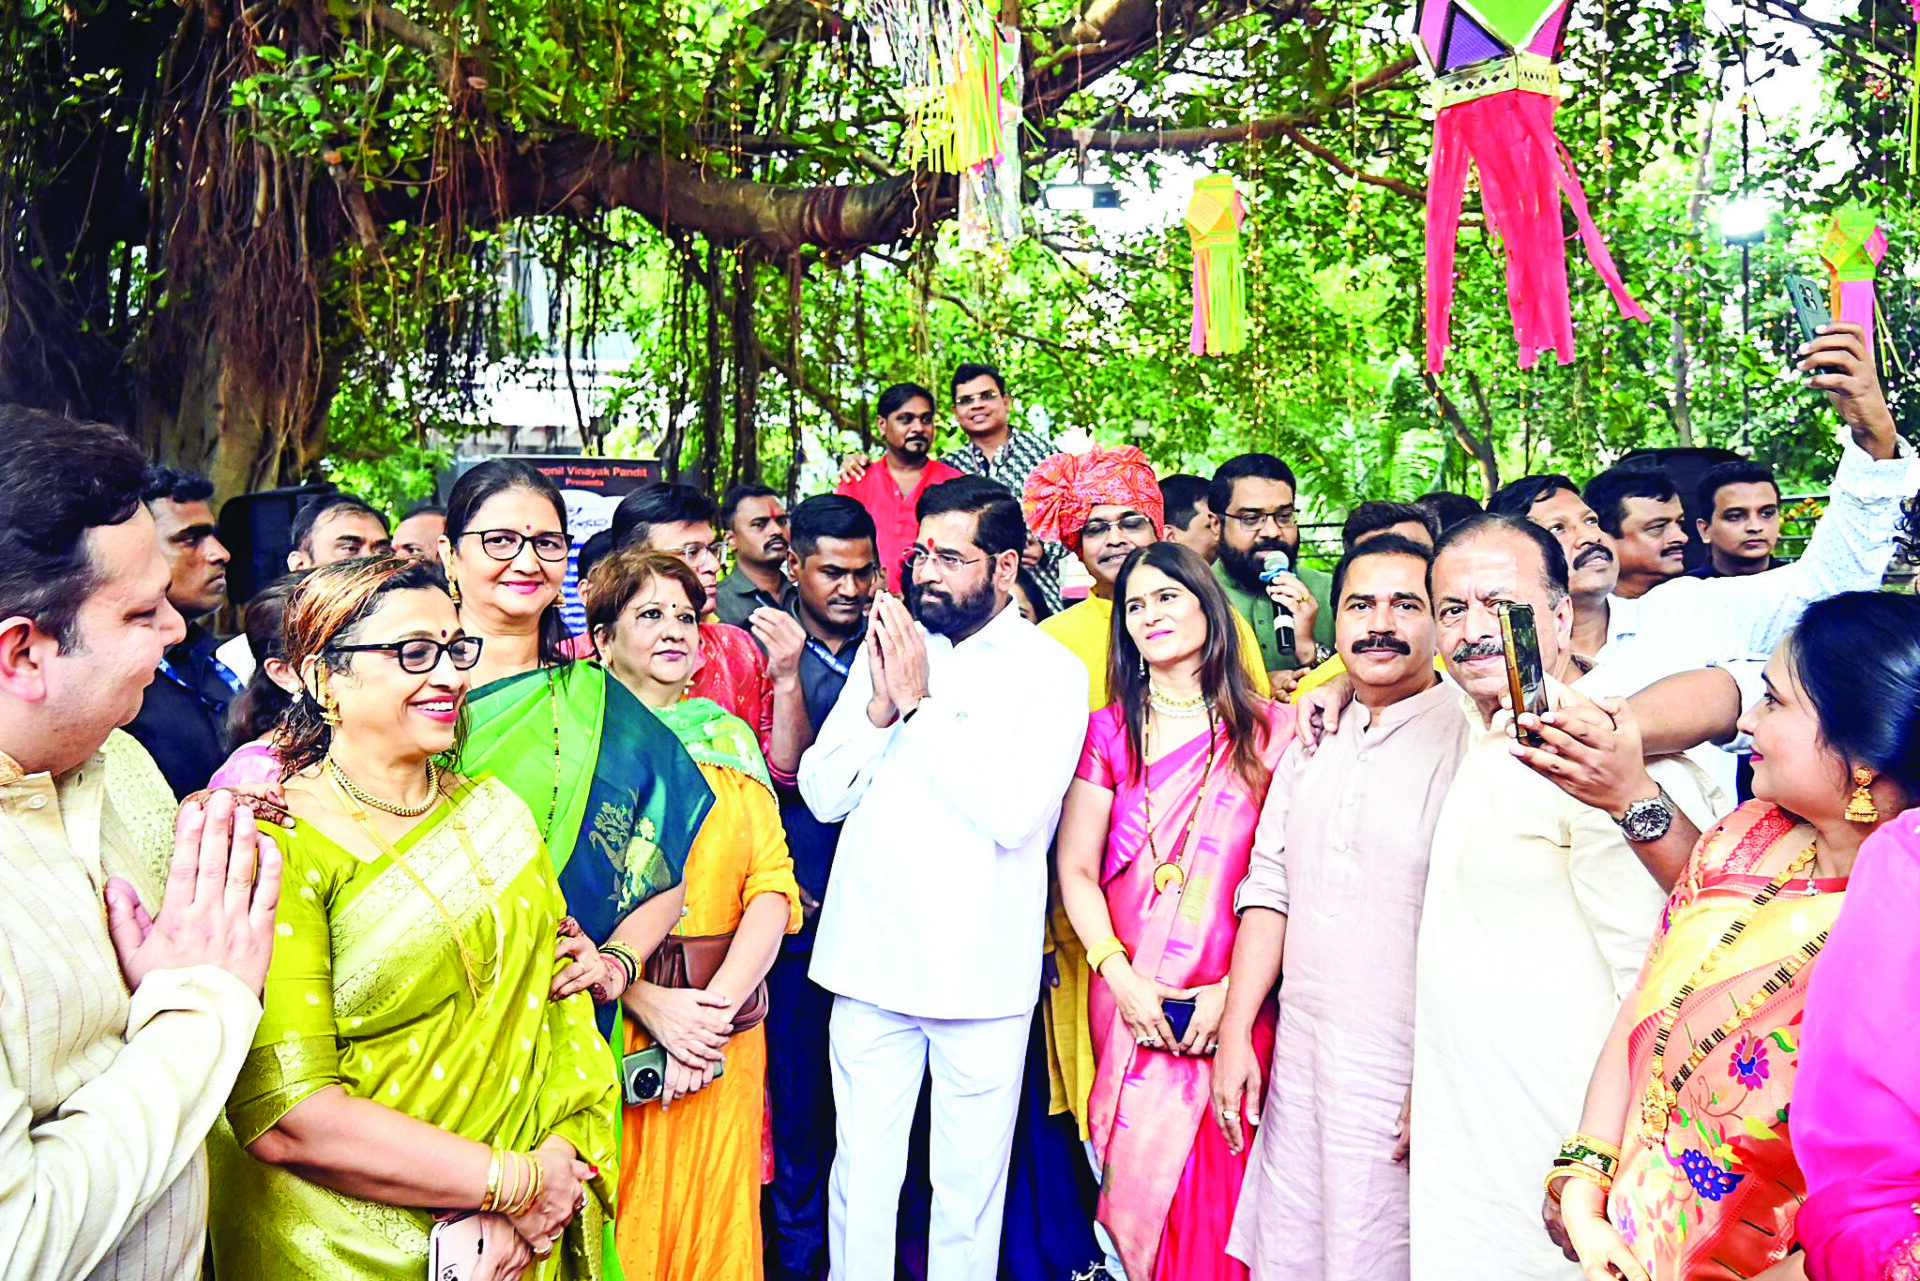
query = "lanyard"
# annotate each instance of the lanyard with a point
(220, 669)
(827, 656)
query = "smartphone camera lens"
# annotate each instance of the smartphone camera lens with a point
(646, 1083)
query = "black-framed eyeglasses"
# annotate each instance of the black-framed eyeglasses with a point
(505, 544)
(1253, 520)
(1131, 523)
(421, 655)
(949, 562)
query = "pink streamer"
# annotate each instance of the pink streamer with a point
(1856, 306)
(1523, 173)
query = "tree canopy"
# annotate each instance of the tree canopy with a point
(274, 235)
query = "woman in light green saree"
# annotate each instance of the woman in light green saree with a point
(409, 1062)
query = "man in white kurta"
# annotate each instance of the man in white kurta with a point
(1536, 918)
(947, 755)
(119, 1042)
(1338, 869)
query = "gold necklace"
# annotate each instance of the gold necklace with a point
(1167, 873)
(1663, 1094)
(365, 797)
(364, 821)
(1169, 706)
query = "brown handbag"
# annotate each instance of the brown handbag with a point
(692, 962)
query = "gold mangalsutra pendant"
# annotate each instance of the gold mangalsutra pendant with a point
(1168, 876)
(1656, 1110)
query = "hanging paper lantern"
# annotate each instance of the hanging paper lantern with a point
(1214, 216)
(1495, 89)
(1852, 249)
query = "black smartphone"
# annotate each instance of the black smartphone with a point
(1808, 298)
(1526, 676)
(1179, 1012)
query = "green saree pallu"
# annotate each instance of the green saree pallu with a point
(617, 798)
(418, 981)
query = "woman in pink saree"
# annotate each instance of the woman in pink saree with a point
(1857, 1109)
(1154, 840)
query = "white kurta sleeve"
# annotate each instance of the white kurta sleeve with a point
(1266, 881)
(1617, 897)
(72, 1186)
(835, 770)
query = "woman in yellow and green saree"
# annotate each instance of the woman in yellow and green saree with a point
(409, 1062)
(691, 1161)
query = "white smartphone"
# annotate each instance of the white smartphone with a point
(453, 1249)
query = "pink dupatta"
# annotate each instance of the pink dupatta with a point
(1148, 1105)
(1856, 1107)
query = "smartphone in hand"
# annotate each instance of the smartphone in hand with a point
(1526, 675)
(1808, 299)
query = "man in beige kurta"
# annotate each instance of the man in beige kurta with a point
(118, 1044)
(1339, 865)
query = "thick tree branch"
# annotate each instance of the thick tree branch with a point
(1308, 145)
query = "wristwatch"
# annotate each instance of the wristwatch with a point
(1648, 819)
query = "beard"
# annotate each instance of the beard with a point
(1244, 566)
(945, 615)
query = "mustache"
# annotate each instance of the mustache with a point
(1470, 650)
(1382, 640)
(1595, 553)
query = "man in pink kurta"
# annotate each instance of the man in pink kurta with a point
(1334, 890)
(891, 486)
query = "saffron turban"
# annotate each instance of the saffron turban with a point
(1065, 488)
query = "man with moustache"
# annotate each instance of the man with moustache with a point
(1688, 623)
(1332, 897)
(756, 523)
(419, 532)
(1536, 918)
(1642, 512)
(183, 715)
(890, 491)
(1254, 497)
(835, 569)
(931, 930)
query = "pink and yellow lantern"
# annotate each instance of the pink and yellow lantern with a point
(1495, 89)
(1852, 249)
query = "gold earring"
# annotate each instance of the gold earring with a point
(329, 702)
(1860, 806)
(453, 590)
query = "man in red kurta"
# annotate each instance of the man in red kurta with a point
(891, 487)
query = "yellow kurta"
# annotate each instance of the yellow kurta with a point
(1086, 629)
(689, 1201)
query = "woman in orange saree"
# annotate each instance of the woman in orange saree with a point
(1696, 1085)
(1154, 839)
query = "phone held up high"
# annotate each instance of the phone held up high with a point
(1526, 675)
(1809, 302)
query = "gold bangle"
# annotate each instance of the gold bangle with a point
(491, 1201)
(509, 1182)
(1560, 1173)
(1103, 951)
(536, 1181)
(1574, 1145)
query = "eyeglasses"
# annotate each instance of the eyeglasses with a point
(505, 544)
(694, 551)
(1131, 523)
(421, 655)
(978, 398)
(1253, 520)
(949, 562)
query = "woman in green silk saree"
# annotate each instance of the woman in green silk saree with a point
(617, 799)
(409, 1060)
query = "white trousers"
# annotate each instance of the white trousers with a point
(879, 1059)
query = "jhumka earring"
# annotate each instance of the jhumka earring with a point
(1860, 806)
(329, 704)
(453, 590)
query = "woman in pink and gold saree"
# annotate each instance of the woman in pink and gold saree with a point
(1686, 1165)
(1154, 840)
